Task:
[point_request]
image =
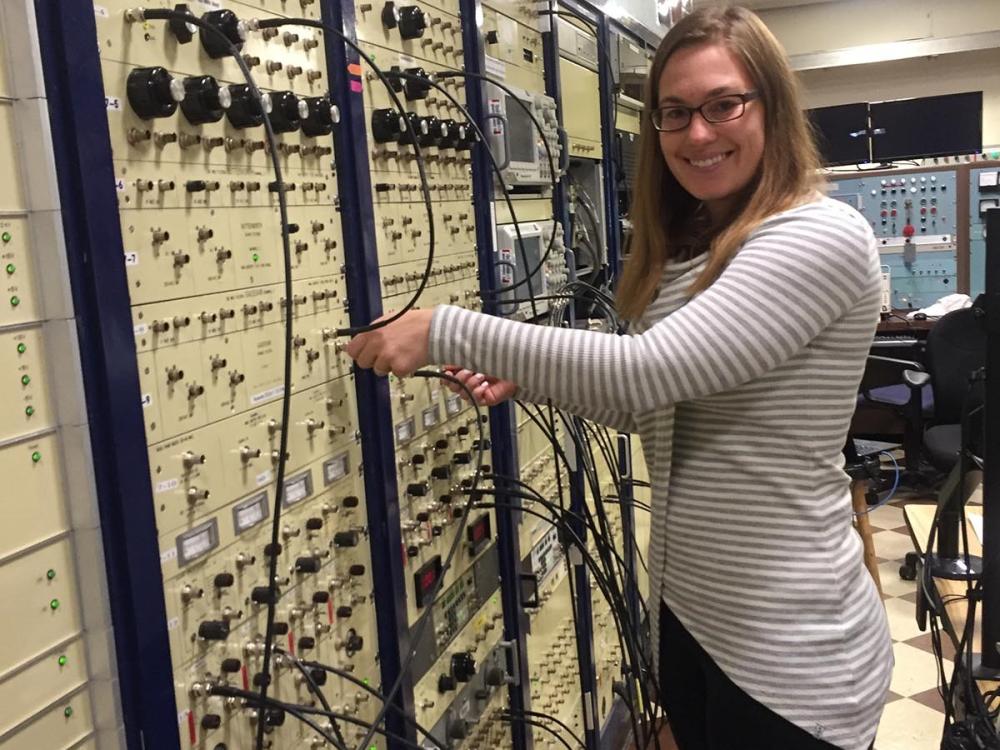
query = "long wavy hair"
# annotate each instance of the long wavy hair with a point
(667, 221)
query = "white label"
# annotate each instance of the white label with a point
(101, 12)
(172, 624)
(113, 103)
(131, 259)
(120, 186)
(140, 329)
(264, 477)
(267, 395)
(167, 485)
(147, 400)
(405, 61)
(496, 68)
(210, 3)
(167, 555)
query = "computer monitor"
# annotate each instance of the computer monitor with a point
(841, 133)
(928, 126)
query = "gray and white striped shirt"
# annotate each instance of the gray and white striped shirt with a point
(742, 396)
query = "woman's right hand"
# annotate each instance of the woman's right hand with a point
(487, 390)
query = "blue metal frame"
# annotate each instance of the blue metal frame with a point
(502, 427)
(374, 409)
(78, 117)
(609, 108)
(577, 485)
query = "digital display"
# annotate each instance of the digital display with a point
(298, 488)
(520, 132)
(425, 579)
(405, 430)
(336, 468)
(479, 533)
(197, 542)
(250, 512)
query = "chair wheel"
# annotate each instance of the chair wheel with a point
(907, 572)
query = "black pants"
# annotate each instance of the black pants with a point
(707, 711)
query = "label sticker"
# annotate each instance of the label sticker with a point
(147, 400)
(267, 395)
(168, 555)
(167, 485)
(131, 259)
(140, 329)
(120, 186)
(113, 103)
(264, 477)
(101, 12)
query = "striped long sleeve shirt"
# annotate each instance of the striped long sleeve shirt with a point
(742, 395)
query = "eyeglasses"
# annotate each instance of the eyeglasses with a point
(720, 109)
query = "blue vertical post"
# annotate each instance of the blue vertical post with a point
(374, 411)
(81, 140)
(577, 485)
(609, 110)
(626, 498)
(502, 429)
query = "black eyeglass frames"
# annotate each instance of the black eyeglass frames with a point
(717, 109)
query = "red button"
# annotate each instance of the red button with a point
(908, 230)
(885, 213)
(923, 210)
(933, 209)
(893, 212)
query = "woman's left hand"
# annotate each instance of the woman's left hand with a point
(400, 347)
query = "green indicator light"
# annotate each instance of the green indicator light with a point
(25, 379)
(29, 410)
(22, 348)
(11, 268)
(365, 681)
(54, 605)
(5, 237)
(36, 457)
(255, 257)
(50, 574)
(63, 660)
(15, 301)
(68, 711)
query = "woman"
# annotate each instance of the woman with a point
(754, 300)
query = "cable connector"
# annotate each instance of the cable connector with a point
(135, 15)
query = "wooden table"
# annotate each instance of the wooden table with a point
(919, 518)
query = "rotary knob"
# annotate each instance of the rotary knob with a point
(153, 92)
(182, 30)
(231, 28)
(204, 100)
(463, 666)
(386, 125)
(321, 117)
(287, 111)
(245, 111)
(453, 131)
(417, 125)
(436, 131)
(390, 16)
(412, 22)
(416, 89)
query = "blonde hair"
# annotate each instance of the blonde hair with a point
(663, 212)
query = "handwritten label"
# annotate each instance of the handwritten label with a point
(147, 400)
(167, 555)
(267, 395)
(113, 103)
(131, 259)
(167, 485)
(140, 329)
(101, 12)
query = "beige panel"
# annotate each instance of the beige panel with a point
(42, 683)
(65, 724)
(11, 191)
(37, 509)
(581, 108)
(43, 584)
(19, 302)
(27, 407)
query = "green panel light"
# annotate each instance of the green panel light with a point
(63, 660)
(54, 605)
(50, 574)
(29, 410)
(11, 268)
(25, 379)
(68, 711)
(36, 457)
(255, 257)
(6, 237)
(22, 348)
(15, 301)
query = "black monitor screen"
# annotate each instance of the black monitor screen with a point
(929, 126)
(841, 133)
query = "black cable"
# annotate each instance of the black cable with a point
(418, 155)
(531, 722)
(315, 690)
(550, 717)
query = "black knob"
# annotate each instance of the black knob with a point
(321, 597)
(446, 683)
(418, 459)
(223, 580)
(441, 472)
(270, 550)
(318, 676)
(463, 430)
(351, 501)
(390, 16)
(416, 89)
(492, 37)
(444, 499)
(319, 121)
(462, 458)
(232, 29)
(412, 22)
(314, 524)
(213, 630)
(182, 30)
(463, 666)
(211, 721)
(452, 132)
(345, 539)
(417, 126)
(494, 677)
(386, 125)
(263, 595)
(274, 717)
(230, 666)
(431, 131)
(485, 445)
(412, 551)
(307, 565)
(417, 489)
(281, 628)
(204, 100)
(245, 110)
(395, 78)
(354, 642)
(344, 612)
(423, 517)
(287, 111)
(382, 187)
(153, 92)
(258, 679)
(356, 570)
(306, 642)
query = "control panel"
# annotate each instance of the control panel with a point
(914, 218)
(984, 195)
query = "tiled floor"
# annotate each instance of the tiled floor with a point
(914, 716)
